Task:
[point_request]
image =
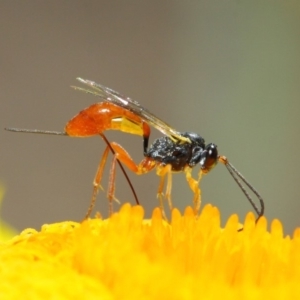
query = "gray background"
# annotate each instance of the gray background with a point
(228, 70)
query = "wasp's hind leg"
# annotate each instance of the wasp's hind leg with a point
(97, 182)
(112, 185)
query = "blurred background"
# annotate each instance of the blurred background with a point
(228, 70)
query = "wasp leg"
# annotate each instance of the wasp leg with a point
(146, 165)
(160, 194)
(97, 181)
(200, 175)
(162, 171)
(194, 186)
(112, 185)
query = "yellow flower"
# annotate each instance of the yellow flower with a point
(6, 231)
(126, 257)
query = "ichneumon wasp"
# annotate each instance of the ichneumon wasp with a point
(174, 152)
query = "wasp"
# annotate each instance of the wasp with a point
(174, 152)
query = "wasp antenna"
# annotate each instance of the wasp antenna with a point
(35, 131)
(236, 176)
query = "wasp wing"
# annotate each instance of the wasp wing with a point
(109, 95)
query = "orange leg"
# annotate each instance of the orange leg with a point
(122, 155)
(146, 165)
(112, 185)
(160, 192)
(162, 171)
(194, 186)
(97, 181)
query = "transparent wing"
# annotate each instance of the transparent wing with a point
(109, 95)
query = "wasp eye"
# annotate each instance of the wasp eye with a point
(209, 158)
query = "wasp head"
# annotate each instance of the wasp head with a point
(208, 157)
